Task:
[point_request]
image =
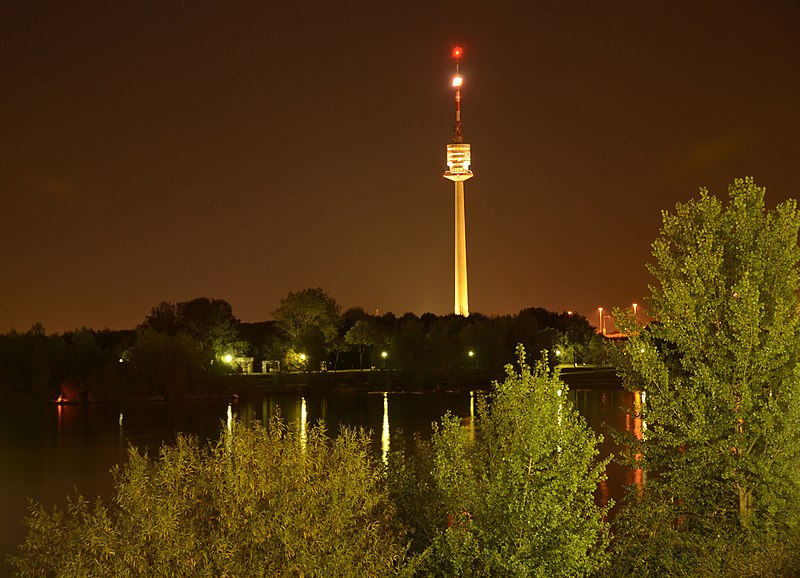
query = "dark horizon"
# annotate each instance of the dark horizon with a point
(377, 314)
(164, 152)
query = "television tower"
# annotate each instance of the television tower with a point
(458, 159)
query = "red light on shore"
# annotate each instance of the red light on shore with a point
(457, 52)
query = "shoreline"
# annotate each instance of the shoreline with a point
(253, 385)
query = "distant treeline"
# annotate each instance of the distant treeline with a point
(184, 349)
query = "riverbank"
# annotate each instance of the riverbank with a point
(400, 381)
(354, 381)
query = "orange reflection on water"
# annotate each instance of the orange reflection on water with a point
(638, 431)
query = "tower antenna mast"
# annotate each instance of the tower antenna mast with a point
(458, 129)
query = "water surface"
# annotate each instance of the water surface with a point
(48, 451)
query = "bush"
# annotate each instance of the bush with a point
(264, 501)
(514, 499)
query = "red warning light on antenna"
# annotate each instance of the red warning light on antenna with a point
(457, 52)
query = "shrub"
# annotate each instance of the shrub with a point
(263, 501)
(514, 499)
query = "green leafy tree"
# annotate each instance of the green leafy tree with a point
(721, 382)
(309, 318)
(209, 322)
(515, 498)
(353, 314)
(264, 501)
(361, 335)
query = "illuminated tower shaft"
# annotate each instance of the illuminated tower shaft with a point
(461, 292)
(458, 161)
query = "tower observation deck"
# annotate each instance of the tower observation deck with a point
(458, 161)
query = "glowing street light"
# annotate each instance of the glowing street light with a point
(601, 327)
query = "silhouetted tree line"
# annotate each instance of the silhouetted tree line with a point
(182, 349)
(177, 351)
(311, 332)
(444, 345)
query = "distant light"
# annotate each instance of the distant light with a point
(558, 352)
(228, 358)
(471, 353)
(302, 357)
(384, 354)
(457, 52)
(457, 81)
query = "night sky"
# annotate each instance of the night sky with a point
(162, 151)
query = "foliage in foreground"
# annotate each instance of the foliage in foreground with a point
(514, 498)
(720, 377)
(262, 502)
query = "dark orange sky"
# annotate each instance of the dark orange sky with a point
(161, 151)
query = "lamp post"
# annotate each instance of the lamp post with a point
(601, 327)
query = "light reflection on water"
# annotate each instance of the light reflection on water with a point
(46, 451)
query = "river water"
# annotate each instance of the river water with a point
(48, 451)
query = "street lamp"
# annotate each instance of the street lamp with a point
(635, 306)
(601, 326)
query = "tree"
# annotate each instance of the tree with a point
(514, 499)
(361, 335)
(263, 501)
(719, 374)
(408, 349)
(209, 322)
(29, 364)
(84, 367)
(164, 318)
(167, 365)
(309, 316)
(212, 324)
